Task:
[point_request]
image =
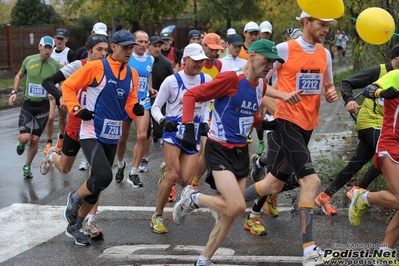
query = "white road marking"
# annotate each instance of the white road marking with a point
(32, 225)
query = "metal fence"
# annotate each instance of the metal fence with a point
(16, 43)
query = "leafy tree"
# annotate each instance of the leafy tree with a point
(33, 12)
(136, 12)
(364, 54)
(5, 8)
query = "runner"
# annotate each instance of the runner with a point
(368, 125)
(170, 52)
(142, 62)
(306, 62)
(386, 160)
(64, 56)
(237, 95)
(112, 88)
(180, 163)
(97, 46)
(251, 34)
(35, 105)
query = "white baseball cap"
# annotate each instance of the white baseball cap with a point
(195, 52)
(251, 26)
(100, 28)
(266, 26)
(231, 31)
(303, 15)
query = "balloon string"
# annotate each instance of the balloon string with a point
(372, 26)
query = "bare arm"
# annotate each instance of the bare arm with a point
(17, 82)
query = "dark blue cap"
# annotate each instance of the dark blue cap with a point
(235, 39)
(193, 33)
(123, 37)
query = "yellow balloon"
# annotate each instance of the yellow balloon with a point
(375, 25)
(323, 8)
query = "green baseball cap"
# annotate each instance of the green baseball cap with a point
(267, 48)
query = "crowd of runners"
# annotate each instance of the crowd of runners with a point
(201, 105)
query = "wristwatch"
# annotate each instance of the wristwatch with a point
(13, 92)
(76, 108)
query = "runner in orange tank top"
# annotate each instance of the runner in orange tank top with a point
(307, 68)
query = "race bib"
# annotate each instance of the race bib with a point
(36, 90)
(142, 84)
(310, 83)
(181, 128)
(245, 124)
(112, 129)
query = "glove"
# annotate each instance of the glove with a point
(169, 125)
(138, 109)
(85, 114)
(189, 141)
(271, 125)
(204, 129)
(390, 93)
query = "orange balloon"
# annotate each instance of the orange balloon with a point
(323, 8)
(375, 25)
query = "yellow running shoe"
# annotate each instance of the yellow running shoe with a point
(270, 205)
(255, 225)
(157, 224)
(358, 207)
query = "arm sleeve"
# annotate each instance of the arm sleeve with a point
(225, 84)
(49, 84)
(162, 98)
(357, 81)
(71, 56)
(132, 98)
(328, 75)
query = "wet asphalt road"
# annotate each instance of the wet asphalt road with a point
(32, 226)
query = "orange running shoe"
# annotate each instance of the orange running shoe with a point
(323, 201)
(350, 192)
(59, 143)
(47, 148)
(172, 195)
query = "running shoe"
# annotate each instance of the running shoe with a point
(134, 179)
(157, 224)
(46, 163)
(261, 147)
(323, 201)
(384, 260)
(249, 139)
(20, 148)
(270, 205)
(196, 187)
(215, 215)
(256, 173)
(47, 148)
(350, 192)
(75, 232)
(156, 142)
(27, 173)
(317, 257)
(60, 142)
(92, 230)
(84, 164)
(255, 225)
(185, 205)
(207, 263)
(120, 173)
(72, 208)
(172, 195)
(163, 173)
(358, 207)
(143, 167)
